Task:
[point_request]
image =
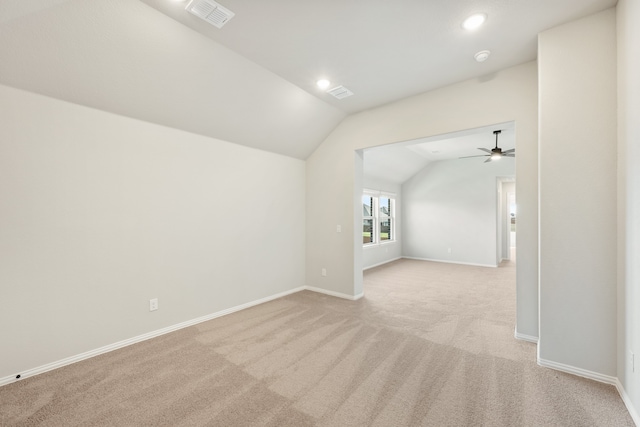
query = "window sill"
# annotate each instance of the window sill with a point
(377, 245)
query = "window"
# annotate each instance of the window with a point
(385, 218)
(378, 218)
(368, 220)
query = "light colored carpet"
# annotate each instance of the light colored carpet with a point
(429, 345)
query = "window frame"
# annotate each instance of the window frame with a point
(372, 218)
(377, 218)
(390, 217)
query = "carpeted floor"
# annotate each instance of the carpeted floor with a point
(429, 345)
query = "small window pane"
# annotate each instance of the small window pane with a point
(385, 230)
(367, 230)
(385, 206)
(367, 206)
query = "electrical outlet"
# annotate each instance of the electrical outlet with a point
(339, 229)
(323, 272)
(448, 250)
(153, 304)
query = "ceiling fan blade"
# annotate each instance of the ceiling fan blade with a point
(509, 151)
(488, 160)
(480, 155)
(509, 155)
(486, 150)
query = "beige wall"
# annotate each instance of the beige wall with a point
(577, 95)
(99, 213)
(334, 173)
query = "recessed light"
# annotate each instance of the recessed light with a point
(482, 56)
(323, 83)
(474, 21)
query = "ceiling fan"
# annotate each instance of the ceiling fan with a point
(495, 153)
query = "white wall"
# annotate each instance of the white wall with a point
(628, 14)
(334, 173)
(373, 255)
(99, 213)
(577, 96)
(453, 205)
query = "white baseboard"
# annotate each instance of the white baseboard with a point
(107, 348)
(525, 337)
(381, 263)
(607, 379)
(335, 294)
(627, 402)
(451, 262)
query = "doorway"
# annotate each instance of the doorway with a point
(445, 194)
(506, 221)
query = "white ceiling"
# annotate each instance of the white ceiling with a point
(253, 81)
(398, 162)
(382, 50)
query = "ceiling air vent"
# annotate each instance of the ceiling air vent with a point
(212, 12)
(340, 92)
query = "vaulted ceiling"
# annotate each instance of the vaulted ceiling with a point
(398, 162)
(252, 82)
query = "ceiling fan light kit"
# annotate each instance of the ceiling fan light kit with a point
(495, 153)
